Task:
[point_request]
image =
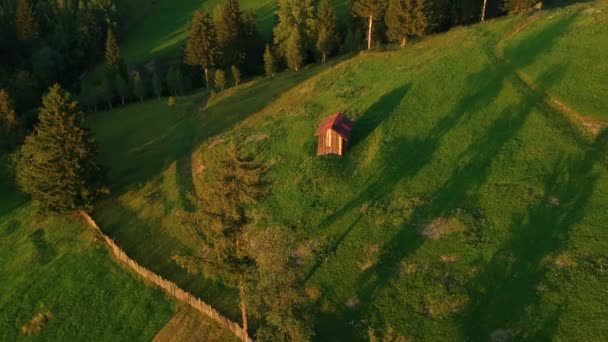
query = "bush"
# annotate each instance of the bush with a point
(171, 101)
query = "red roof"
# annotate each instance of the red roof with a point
(338, 123)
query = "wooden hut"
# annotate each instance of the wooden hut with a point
(333, 134)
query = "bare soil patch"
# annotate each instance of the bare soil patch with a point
(36, 324)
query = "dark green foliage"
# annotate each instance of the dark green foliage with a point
(371, 11)
(47, 64)
(24, 89)
(157, 85)
(270, 62)
(88, 95)
(106, 90)
(295, 15)
(112, 52)
(26, 23)
(236, 75)
(294, 55)
(326, 28)
(122, 88)
(56, 166)
(518, 5)
(8, 120)
(139, 87)
(406, 18)
(175, 82)
(277, 296)
(220, 80)
(202, 48)
(352, 41)
(227, 19)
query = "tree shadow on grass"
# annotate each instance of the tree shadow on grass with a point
(506, 289)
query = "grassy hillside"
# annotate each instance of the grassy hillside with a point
(159, 28)
(465, 208)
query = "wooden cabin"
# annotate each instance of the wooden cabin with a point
(333, 135)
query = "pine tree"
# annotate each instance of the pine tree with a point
(295, 15)
(56, 165)
(371, 10)
(270, 63)
(406, 18)
(106, 90)
(139, 88)
(8, 120)
(157, 85)
(294, 55)
(122, 88)
(26, 22)
(220, 79)
(228, 20)
(326, 27)
(113, 59)
(202, 48)
(222, 217)
(236, 75)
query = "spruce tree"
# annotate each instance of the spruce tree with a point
(26, 21)
(220, 80)
(294, 55)
(56, 166)
(370, 10)
(228, 20)
(270, 63)
(236, 75)
(157, 85)
(112, 54)
(122, 88)
(139, 87)
(202, 49)
(406, 18)
(326, 28)
(8, 120)
(295, 15)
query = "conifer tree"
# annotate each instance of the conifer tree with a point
(8, 119)
(294, 55)
(236, 75)
(270, 63)
(56, 166)
(222, 219)
(122, 88)
(202, 49)
(112, 54)
(295, 15)
(157, 85)
(106, 90)
(370, 10)
(406, 18)
(139, 88)
(26, 21)
(228, 20)
(88, 95)
(518, 5)
(220, 79)
(326, 28)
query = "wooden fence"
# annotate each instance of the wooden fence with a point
(168, 286)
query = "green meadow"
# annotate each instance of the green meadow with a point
(466, 207)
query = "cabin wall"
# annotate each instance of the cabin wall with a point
(330, 142)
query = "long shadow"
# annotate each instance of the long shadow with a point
(506, 289)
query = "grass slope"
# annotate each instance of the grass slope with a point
(159, 28)
(448, 139)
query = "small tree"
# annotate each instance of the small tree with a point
(294, 55)
(122, 88)
(8, 119)
(326, 28)
(106, 91)
(56, 166)
(139, 87)
(26, 21)
(236, 75)
(157, 85)
(371, 10)
(112, 54)
(220, 79)
(270, 63)
(202, 48)
(518, 5)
